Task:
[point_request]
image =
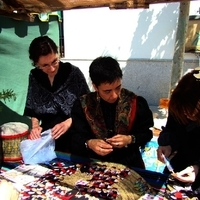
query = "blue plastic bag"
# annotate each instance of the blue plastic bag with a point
(37, 151)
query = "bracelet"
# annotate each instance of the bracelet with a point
(86, 144)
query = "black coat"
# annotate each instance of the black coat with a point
(185, 139)
(52, 104)
(80, 132)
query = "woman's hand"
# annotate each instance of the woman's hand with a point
(163, 150)
(36, 130)
(35, 133)
(187, 175)
(119, 141)
(61, 128)
(99, 146)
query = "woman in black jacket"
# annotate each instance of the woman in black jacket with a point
(180, 138)
(53, 88)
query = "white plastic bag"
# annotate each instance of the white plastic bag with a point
(37, 151)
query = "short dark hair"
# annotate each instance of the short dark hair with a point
(104, 70)
(41, 46)
(185, 99)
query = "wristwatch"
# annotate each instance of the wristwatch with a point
(132, 139)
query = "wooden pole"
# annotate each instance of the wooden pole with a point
(179, 49)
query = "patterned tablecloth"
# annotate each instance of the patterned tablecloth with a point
(64, 164)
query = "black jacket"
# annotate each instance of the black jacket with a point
(185, 139)
(52, 104)
(80, 132)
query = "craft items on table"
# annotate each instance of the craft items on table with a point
(23, 174)
(95, 180)
(176, 189)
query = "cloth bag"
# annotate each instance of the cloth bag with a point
(37, 151)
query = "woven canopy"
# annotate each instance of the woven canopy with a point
(23, 9)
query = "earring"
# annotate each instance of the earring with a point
(98, 97)
(120, 99)
(98, 109)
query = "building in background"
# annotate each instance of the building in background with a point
(141, 39)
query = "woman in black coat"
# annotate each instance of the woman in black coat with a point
(180, 138)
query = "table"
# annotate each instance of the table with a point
(156, 180)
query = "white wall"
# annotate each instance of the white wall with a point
(124, 34)
(142, 40)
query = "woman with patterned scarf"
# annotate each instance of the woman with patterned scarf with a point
(112, 123)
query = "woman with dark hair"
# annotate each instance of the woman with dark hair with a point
(180, 138)
(53, 88)
(112, 123)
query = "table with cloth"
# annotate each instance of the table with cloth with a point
(65, 160)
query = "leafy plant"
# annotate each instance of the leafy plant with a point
(7, 94)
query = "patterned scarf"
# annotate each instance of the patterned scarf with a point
(124, 118)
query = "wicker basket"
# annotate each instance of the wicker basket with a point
(12, 134)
